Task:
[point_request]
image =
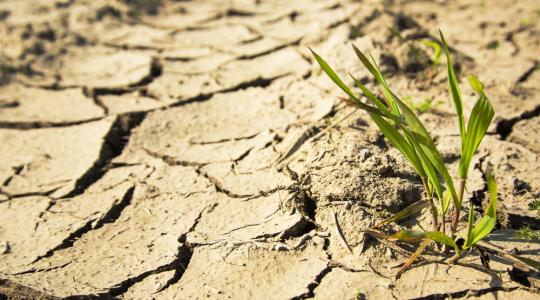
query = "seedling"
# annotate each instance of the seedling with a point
(436, 51)
(527, 233)
(424, 106)
(401, 126)
(535, 206)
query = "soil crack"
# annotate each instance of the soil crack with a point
(114, 142)
(504, 127)
(314, 284)
(110, 216)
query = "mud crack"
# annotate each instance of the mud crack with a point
(114, 142)
(504, 127)
(314, 284)
(467, 293)
(110, 217)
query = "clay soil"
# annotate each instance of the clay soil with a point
(194, 149)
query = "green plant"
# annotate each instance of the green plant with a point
(400, 125)
(436, 51)
(492, 45)
(355, 32)
(424, 106)
(535, 206)
(526, 233)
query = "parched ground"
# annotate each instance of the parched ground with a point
(194, 149)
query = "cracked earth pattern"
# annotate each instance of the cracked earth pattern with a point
(194, 149)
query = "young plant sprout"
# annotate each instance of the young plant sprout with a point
(400, 125)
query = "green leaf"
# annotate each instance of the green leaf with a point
(410, 236)
(489, 220)
(404, 213)
(454, 89)
(418, 136)
(436, 48)
(470, 224)
(428, 152)
(365, 61)
(335, 78)
(332, 74)
(476, 85)
(479, 121)
(374, 70)
(399, 142)
(446, 202)
(394, 136)
(378, 102)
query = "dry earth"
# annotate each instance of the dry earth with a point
(183, 149)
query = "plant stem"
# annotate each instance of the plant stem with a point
(434, 222)
(443, 224)
(429, 198)
(456, 211)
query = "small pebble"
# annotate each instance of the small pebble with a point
(4, 247)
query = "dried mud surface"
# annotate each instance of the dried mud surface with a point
(194, 149)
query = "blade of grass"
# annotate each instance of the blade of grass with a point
(446, 202)
(489, 220)
(470, 226)
(373, 69)
(479, 121)
(454, 89)
(406, 112)
(404, 213)
(415, 255)
(427, 150)
(419, 138)
(401, 143)
(436, 48)
(335, 78)
(378, 102)
(410, 236)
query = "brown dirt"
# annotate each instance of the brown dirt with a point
(182, 149)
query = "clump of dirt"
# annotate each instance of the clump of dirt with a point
(356, 171)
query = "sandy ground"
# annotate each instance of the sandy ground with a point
(183, 149)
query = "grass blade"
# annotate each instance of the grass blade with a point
(489, 220)
(436, 48)
(470, 226)
(399, 142)
(410, 236)
(335, 78)
(378, 102)
(332, 74)
(454, 89)
(479, 121)
(404, 213)
(428, 152)
(396, 138)
(418, 136)
(415, 255)
(446, 202)
(374, 70)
